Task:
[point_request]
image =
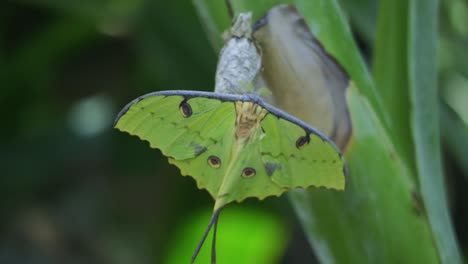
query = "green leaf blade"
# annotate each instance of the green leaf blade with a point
(422, 63)
(391, 73)
(376, 219)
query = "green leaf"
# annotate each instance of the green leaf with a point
(422, 63)
(215, 20)
(377, 219)
(391, 73)
(362, 15)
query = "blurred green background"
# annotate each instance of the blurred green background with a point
(74, 190)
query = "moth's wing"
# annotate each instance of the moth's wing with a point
(186, 138)
(294, 155)
(286, 154)
(234, 186)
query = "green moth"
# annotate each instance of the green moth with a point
(234, 144)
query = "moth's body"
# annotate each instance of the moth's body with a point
(248, 117)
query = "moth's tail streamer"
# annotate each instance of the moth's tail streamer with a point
(213, 221)
(213, 244)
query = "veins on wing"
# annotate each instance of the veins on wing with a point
(292, 156)
(189, 130)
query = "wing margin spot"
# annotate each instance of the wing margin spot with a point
(302, 141)
(198, 149)
(271, 167)
(185, 109)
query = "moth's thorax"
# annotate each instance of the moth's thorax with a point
(248, 117)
